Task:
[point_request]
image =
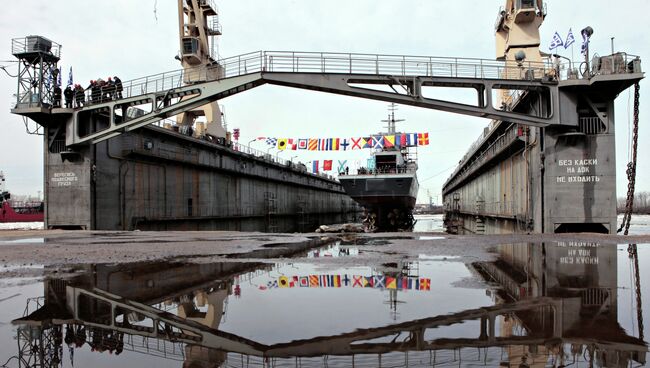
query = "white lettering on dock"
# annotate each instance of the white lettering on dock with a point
(581, 166)
(581, 253)
(64, 179)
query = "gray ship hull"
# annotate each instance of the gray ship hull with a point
(387, 191)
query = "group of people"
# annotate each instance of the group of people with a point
(101, 339)
(100, 91)
(76, 95)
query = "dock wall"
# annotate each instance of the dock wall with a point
(558, 179)
(157, 179)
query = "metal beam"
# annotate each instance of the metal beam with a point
(201, 94)
(340, 84)
(167, 103)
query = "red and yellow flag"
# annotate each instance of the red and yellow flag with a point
(313, 144)
(425, 284)
(391, 282)
(423, 139)
(389, 141)
(313, 281)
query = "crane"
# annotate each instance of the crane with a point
(517, 37)
(198, 28)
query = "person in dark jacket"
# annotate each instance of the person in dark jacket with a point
(95, 91)
(109, 89)
(79, 95)
(118, 87)
(57, 96)
(68, 94)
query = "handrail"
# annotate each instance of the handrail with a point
(329, 62)
(342, 63)
(35, 44)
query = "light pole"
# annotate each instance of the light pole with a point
(292, 157)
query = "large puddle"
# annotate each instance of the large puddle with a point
(553, 304)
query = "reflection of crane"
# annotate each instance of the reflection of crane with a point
(198, 28)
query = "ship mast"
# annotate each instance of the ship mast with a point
(198, 29)
(391, 119)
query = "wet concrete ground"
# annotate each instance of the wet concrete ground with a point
(105, 299)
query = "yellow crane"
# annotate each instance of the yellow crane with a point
(517, 36)
(198, 28)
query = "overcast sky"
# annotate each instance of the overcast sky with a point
(127, 38)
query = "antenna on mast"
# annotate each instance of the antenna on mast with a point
(391, 118)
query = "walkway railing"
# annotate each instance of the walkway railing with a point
(364, 64)
(328, 62)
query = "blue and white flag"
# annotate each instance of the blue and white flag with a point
(570, 40)
(58, 77)
(48, 81)
(70, 77)
(272, 141)
(556, 41)
(585, 43)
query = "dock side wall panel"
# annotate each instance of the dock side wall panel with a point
(160, 181)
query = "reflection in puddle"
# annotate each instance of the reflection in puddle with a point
(438, 258)
(548, 307)
(334, 251)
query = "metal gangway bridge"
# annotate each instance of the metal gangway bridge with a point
(392, 78)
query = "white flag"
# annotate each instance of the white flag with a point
(585, 43)
(556, 41)
(569, 39)
(70, 77)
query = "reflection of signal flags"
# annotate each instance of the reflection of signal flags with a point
(337, 281)
(368, 281)
(357, 281)
(304, 281)
(380, 281)
(283, 282)
(425, 284)
(404, 283)
(313, 281)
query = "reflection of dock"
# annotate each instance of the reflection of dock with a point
(584, 276)
(166, 326)
(128, 321)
